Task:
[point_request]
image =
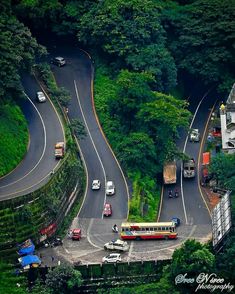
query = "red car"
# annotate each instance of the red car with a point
(107, 209)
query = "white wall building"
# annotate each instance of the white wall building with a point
(227, 119)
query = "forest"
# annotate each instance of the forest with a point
(149, 54)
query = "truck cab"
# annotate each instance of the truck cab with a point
(189, 168)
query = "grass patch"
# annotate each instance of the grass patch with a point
(14, 137)
(144, 203)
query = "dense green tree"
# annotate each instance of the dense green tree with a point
(222, 167)
(78, 128)
(190, 260)
(132, 31)
(161, 119)
(137, 152)
(201, 37)
(62, 278)
(225, 260)
(133, 90)
(18, 51)
(158, 61)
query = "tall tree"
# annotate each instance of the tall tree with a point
(161, 119)
(201, 38)
(132, 31)
(192, 259)
(137, 152)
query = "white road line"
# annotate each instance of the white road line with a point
(88, 131)
(44, 148)
(88, 234)
(181, 166)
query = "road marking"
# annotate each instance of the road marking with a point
(84, 119)
(181, 166)
(88, 234)
(43, 152)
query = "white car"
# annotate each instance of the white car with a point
(118, 245)
(95, 185)
(59, 61)
(194, 135)
(110, 188)
(41, 97)
(113, 257)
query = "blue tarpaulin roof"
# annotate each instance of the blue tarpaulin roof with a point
(26, 248)
(29, 259)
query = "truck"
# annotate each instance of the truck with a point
(189, 168)
(169, 172)
(59, 150)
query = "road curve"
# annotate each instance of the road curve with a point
(77, 77)
(45, 130)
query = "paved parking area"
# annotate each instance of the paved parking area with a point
(96, 232)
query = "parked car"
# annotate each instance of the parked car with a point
(107, 209)
(41, 97)
(194, 135)
(110, 188)
(113, 257)
(176, 220)
(118, 245)
(59, 61)
(95, 185)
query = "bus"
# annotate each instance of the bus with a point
(145, 231)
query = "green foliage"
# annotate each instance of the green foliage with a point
(9, 282)
(62, 278)
(137, 152)
(131, 30)
(145, 199)
(77, 127)
(201, 38)
(191, 259)
(222, 167)
(161, 119)
(18, 51)
(14, 137)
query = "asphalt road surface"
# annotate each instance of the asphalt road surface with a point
(77, 77)
(45, 130)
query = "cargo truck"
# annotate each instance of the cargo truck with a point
(169, 172)
(59, 150)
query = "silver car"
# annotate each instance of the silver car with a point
(194, 135)
(41, 97)
(118, 245)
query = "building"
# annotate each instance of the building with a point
(227, 120)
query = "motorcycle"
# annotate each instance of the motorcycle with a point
(170, 194)
(115, 229)
(176, 194)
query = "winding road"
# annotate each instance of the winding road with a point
(45, 129)
(100, 163)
